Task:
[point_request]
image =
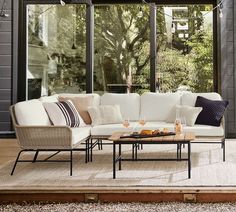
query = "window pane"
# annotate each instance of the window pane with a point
(185, 48)
(56, 49)
(122, 58)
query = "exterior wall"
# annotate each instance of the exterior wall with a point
(228, 68)
(227, 62)
(5, 68)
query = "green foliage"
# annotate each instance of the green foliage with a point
(202, 57)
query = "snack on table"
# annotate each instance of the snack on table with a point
(146, 132)
(165, 130)
(156, 132)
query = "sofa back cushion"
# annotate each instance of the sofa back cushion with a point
(31, 112)
(53, 98)
(190, 98)
(158, 106)
(96, 97)
(129, 104)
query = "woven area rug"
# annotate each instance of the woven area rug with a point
(208, 169)
(123, 207)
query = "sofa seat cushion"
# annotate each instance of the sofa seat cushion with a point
(158, 106)
(31, 112)
(79, 134)
(108, 129)
(199, 130)
(205, 130)
(129, 104)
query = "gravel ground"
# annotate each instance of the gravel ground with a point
(123, 207)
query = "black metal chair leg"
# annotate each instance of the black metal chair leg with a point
(223, 144)
(35, 156)
(101, 144)
(71, 161)
(13, 169)
(99, 148)
(86, 151)
(91, 150)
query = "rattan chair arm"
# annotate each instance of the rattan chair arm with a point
(44, 137)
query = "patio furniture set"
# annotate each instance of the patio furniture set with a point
(38, 126)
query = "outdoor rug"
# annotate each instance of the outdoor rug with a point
(208, 169)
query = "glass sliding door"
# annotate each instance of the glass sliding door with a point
(122, 48)
(184, 48)
(56, 49)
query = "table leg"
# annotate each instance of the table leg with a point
(133, 151)
(91, 150)
(180, 151)
(119, 156)
(136, 151)
(114, 160)
(177, 152)
(189, 160)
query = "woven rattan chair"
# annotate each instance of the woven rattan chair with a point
(46, 138)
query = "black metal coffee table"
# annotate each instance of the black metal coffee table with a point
(179, 140)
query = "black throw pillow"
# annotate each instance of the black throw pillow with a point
(212, 111)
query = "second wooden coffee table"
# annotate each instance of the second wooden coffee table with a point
(179, 140)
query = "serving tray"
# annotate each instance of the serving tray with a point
(136, 135)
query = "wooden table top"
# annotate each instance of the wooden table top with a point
(189, 136)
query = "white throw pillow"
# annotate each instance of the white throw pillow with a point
(190, 113)
(105, 114)
(63, 114)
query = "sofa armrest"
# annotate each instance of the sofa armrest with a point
(44, 137)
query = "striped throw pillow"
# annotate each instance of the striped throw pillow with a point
(64, 114)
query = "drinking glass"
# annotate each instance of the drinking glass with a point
(126, 123)
(183, 123)
(142, 121)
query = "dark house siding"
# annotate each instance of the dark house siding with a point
(227, 61)
(5, 69)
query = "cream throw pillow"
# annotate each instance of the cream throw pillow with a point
(63, 114)
(190, 113)
(105, 114)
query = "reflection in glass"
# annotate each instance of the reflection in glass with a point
(122, 49)
(184, 48)
(56, 49)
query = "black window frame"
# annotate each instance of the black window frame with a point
(20, 66)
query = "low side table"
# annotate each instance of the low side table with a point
(178, 140)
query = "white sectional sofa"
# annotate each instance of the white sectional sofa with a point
(35, 131)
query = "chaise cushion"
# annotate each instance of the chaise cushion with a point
(31, 112)
(158, 106)
(63, 114)
(129, 104)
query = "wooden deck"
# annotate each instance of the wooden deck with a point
(9, 149)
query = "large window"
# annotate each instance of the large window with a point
(185, 48)
(122, 53)
(122, 48)
(56, 58)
